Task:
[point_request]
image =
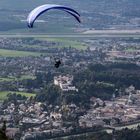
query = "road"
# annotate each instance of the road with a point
(109, 131)
(129, 126)
(95, 34)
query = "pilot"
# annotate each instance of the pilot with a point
(57, 63)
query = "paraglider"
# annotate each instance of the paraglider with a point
(57, 63)
(34, 14)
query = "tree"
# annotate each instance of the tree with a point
(49, 95)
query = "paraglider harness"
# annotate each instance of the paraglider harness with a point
(57, 62)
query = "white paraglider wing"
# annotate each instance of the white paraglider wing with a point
(34, 14)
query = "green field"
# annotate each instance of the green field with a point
(13, 53)
(64, 42)
(23, 77)
(3, 94)
(131, 49)
(67, 42)
(6, 79)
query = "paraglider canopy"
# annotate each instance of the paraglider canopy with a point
(34, 14)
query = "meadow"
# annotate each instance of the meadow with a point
(3, 94)
(67, 42)
(14, 53)
(22, 77)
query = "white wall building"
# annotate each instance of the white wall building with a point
(65, 83)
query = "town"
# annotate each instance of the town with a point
(68, 101)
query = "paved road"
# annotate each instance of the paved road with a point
(109, 131)
(94, 35)
(129, 126)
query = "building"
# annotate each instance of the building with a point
(65, 83)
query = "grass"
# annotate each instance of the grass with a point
(23, 77)
(32, 46)
(13, 53)
(131, 49)
(3, 94)
(105, 84)
(6, 79)
(67, 42)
